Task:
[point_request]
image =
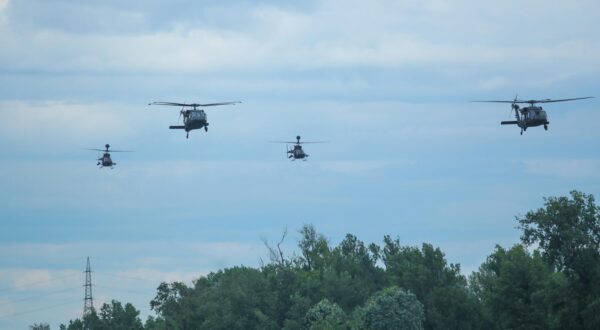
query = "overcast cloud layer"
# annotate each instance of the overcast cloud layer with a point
(387, 83)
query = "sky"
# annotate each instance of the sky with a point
(386, 83)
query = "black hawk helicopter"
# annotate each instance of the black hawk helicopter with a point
(296, 152)
(193, 118)
(105, 160)
(532, 115)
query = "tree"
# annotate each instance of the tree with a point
(112, 316)
(314, 248)
(325, 315)
(567, 232)
(41, 326)
(393, 308)
(514, 287)
(438, 285)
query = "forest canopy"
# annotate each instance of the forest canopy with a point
(551, 280)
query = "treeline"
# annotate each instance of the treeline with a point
(549, 281)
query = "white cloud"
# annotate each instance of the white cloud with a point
(52, 124)
(333, 34)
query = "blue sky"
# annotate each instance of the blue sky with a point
(386, 82)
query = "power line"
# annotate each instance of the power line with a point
(39, 295)
(36, 283)
(40, 309)
(123, 290)
(128, 277)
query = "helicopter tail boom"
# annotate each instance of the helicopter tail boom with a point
(510, 122)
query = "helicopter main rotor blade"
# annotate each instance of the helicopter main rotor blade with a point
(561, 100)
(296, 142)
(96, 149)
(121, 150)
(175, 104)
(513, 101)
(213, 104)
(536, 101)
(171, 104)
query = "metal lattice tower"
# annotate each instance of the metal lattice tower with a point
(88, 302)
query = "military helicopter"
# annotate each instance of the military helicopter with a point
(296, 152)
(105, 160)
(532, 115)
(193, 118)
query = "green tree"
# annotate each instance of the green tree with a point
(116, 317)
(438, 285)
(567, 232)
(513, 286)
(40, 326)
(393, 308)
(314, 248)
(325, 315)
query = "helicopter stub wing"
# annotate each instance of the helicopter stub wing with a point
(176, 127)
(509, 122)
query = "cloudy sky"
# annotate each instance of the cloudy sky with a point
(387, 83)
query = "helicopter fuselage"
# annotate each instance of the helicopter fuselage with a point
(192, 119)
(530, 116)
(297, 152)
(195, 119)
(533, 116)
(105, 161)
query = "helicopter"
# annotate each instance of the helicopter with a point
(193, 118)
(105, 160)
(532, 115)
(297, 152)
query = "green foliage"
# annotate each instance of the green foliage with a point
(112, 316)
(393, 308)
(513, 286)
(555, 285)
(325, 315)
(40, 326)
(442, 289)
(567, 232)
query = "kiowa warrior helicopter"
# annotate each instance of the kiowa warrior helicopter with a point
(105, 160)
(296, 152)
(193, 118)
(532, 115)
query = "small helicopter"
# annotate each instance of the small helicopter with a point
(296, 152)
(531, 116)
(105, 160)
(193, 118)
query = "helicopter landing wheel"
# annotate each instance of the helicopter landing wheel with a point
(187, 135)
(546, 127)
(206, 128)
